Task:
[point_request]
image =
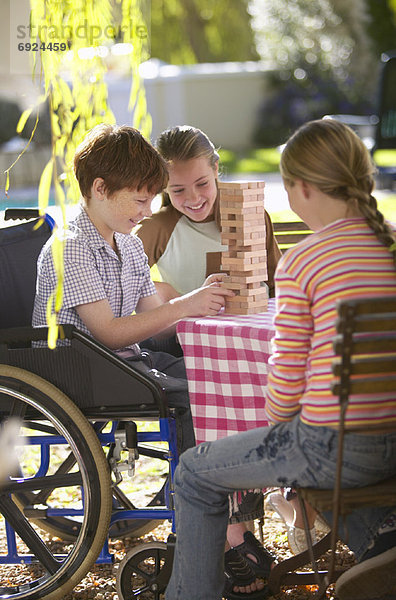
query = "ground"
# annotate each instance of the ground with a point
(100, 583)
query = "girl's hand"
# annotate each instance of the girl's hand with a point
(214, 278)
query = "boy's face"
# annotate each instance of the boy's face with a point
(120, 212)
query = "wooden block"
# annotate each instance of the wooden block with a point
(241, 194)
(245, 296)
(235, 201)
(235, 248)
(245, 278)
(232, 286)
(243, 221)
(237, 260)
(233, 185)
(234, 208)
(240, 210)
(240, 238)
(260, 293)
(230, 264)
(259, 184)
(232, 252)
(245, 310)
(228, 238)
(261, 252)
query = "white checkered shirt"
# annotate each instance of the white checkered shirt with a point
(92, 272)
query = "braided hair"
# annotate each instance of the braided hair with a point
(331, 156)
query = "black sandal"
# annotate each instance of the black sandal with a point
(264, 559)
(238, 573)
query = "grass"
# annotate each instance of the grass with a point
(386, 204)
(266, 160)
(258, 160)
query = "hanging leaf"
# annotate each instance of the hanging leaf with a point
(45, 186)
(78, 101)
(23, 119)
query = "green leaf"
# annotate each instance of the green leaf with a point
(22, 119)
(45, 185)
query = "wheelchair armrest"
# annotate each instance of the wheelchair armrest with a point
(26, 214)
(21, 214)
(70, 366)
(27, 334)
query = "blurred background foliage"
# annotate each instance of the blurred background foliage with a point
(324, 54)
(199, 31)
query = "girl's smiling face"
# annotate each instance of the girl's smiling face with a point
(192, 187)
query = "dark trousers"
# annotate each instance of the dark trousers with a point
(170, 372)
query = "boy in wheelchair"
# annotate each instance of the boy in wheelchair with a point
(107, 290)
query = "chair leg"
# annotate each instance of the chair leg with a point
(285, 573)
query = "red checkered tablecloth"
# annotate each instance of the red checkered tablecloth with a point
(226, 359)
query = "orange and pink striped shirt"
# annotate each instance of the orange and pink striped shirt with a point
(344, 260)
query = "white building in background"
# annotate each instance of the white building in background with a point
(222, 99)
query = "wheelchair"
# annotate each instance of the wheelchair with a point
(82, 413)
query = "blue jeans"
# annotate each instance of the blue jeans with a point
(287, 454)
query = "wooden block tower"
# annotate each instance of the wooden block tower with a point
(243, 231)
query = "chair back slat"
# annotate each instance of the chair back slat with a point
(372, 385)
(365, 347)
(362, 366)
(367, 344)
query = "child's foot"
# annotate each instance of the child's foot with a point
(240, 578)
(256, 556)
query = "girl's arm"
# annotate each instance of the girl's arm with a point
(291, 346)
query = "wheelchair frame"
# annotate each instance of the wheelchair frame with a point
(61, 399)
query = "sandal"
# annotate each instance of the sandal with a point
(238, 573)
(264, 559)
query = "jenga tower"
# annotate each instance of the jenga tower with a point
(243, 231)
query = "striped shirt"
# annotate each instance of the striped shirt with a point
(344, 260)
(92, 272)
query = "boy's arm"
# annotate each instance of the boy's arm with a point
(152, 317)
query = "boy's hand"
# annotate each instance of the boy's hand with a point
(205, 301)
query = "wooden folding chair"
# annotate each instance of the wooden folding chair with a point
(365, 363)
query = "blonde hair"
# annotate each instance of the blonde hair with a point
(185, 142)
(331, 156)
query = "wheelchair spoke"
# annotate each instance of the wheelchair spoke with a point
(65, 467)
(141, 574)
(26, 532)
(50, 482)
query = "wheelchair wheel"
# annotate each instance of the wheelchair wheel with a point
(139, 572)
(51, 427)
(67, 529)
